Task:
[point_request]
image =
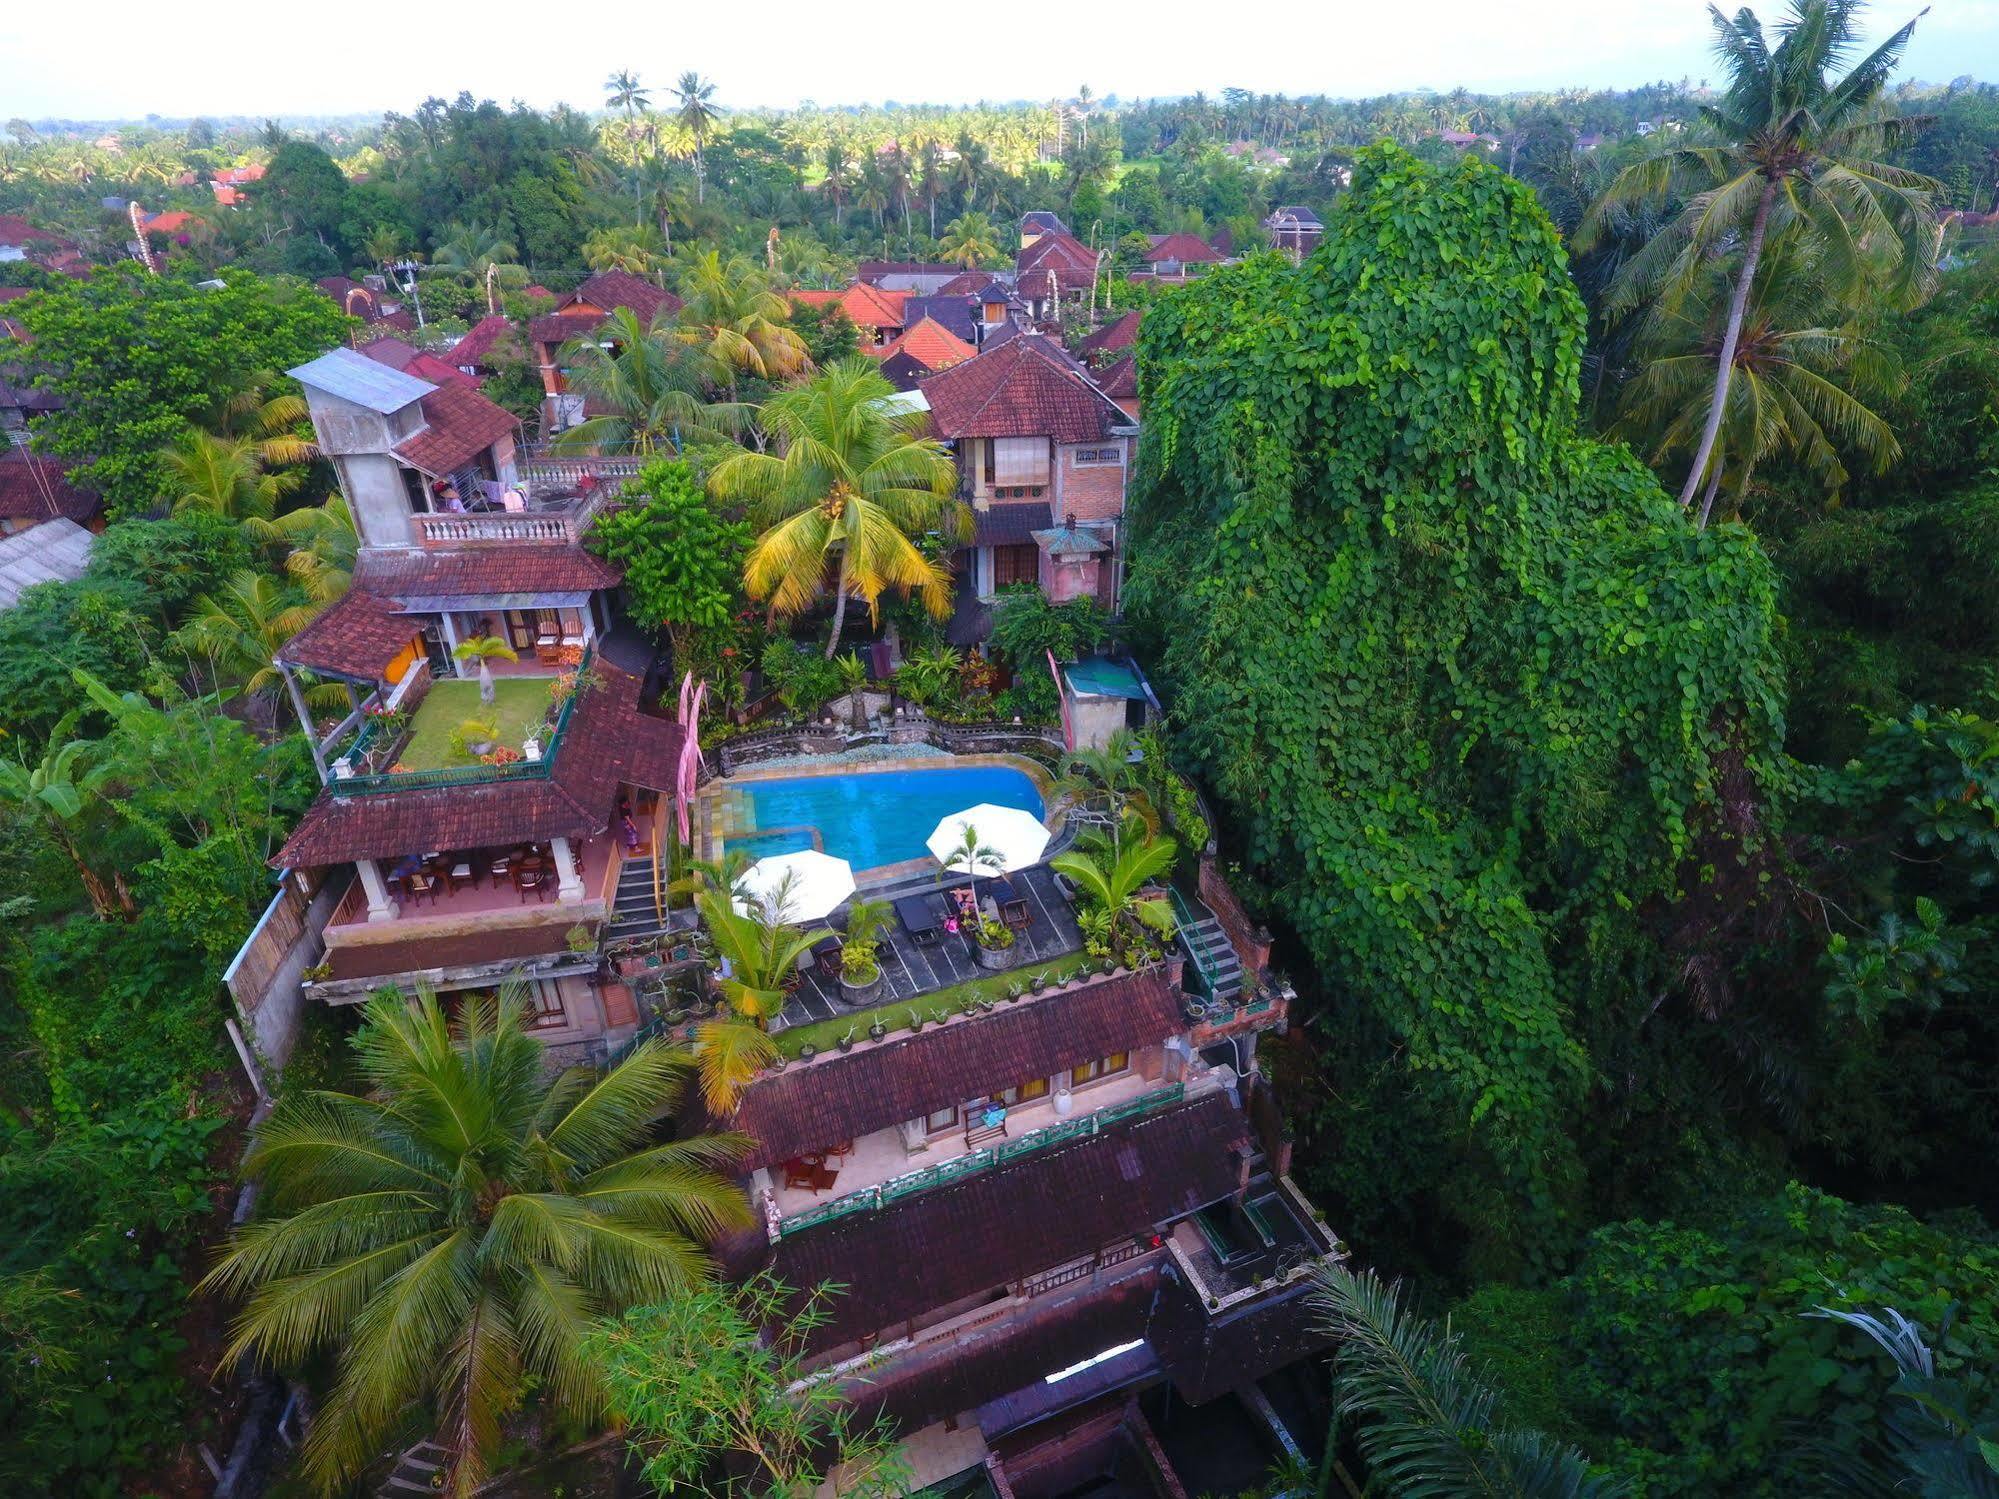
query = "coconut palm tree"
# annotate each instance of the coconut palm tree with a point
(970, 240)
(737, 323)
(622, 90)
(457, 1229)
(1421, 1418)
(485, 649)
(640, 249)
(53, 792)
(1799, 155)
(647, 384)
(696, 115)
(971, 855)
(836, 178)
(323, 546)
(930, 179)
(852, 481)
(239, 629)
(229, 477)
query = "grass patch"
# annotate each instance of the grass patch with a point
(517, 701)
(826, 1034)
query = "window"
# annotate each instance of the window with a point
(1020, 460)
(1026, 1093)
(1099, 457)
(941, 1122)
(1103, 1067)
(545, 1005)
(1016, 564)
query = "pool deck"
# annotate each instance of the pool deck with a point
(717, 813)
(910, 971)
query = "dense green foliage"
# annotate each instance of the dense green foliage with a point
(1466, 678)
(682, 559)
(143, 357)
(1026, 628)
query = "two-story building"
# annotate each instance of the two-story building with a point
(579, 316)
(1043, 457)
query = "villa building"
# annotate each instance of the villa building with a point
(875, 311)
(1052, 268)
(1043, 456)
(1294, 229)
(580, 315)
(1178, 257)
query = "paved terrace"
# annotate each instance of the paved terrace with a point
(910, 971)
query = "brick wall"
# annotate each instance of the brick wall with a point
(1250, 941)
(1092, 492)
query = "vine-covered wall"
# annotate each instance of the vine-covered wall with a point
(1462, 676)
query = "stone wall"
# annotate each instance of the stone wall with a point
(1250, 941)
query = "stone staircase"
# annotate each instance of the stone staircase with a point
(418, 1471)
(1208, 949)
(633, 913)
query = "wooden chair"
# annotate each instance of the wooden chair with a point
(531, 877)
(459, 873)
(420, 885)
(799, 1175)
(1017, 914)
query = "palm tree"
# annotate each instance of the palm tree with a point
(640, 249)
(647, 384)
(1115, 869)
(457, 1229)
(853, 480)
(482, 252)
(761, 946)
(1105, 774)
(622, 90)
(1799, 156)
(240, 628)
(1793, 389)
(836, 178)
(227, 476)
(930, 179)
(970, 854)
(739, 325)
(697, 117)
(485, 649)
(1422, 1420)
(323, 547)
(970, 240)
(53, 792)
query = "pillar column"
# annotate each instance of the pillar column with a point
(448, 623)
(305, 720)
(569, 878)
(380, 907)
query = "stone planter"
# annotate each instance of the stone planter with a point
(994, 958)
(855, 996)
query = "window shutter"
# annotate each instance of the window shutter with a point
(1020, 460)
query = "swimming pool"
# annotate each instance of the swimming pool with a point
(869, 818)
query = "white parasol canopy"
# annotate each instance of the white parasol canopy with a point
(817, 883)
(1018, 837)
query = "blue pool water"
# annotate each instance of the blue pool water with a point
(880, 817)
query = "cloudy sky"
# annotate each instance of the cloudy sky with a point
(121, 59)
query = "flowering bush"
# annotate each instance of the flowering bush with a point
(504, 755)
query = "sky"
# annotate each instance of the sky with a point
(123, 59)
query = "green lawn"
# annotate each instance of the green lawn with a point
(825, 1034)
(516, 702)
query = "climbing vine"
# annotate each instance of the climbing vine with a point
(1461, 676)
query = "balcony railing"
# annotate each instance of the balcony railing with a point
(561, 525)
(882, 1195)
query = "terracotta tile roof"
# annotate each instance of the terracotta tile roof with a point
(608, 742)
(15, 230)
(930, 343)
(171, 222)
(1209, 1355)
(997, 1226)
(35, 488)
(1188, 249)
(427, 366)
(1120, 380)
(873, 270)
(866, 306)
(1042, 221)
(607, 291)
(389, 350)
(1026, 387)
(489, 339)
(1010, 523)
(806, 1108)
(462, 425)
(1113, 336)
(967, 284)
(482, 572)
(555, 329)
(1058, 251)
(358, 636)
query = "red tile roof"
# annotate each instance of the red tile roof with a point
(15, 230)
(967, 284)
(996, 1226)
(358, 636)
(607, 291)
(462, 425)
(489, 338)
(35, 488)
(1110, 338)
(1120, 380)
(808, 1108)
(170, 222)
(607, 742)
(866, 306)
(486, 572)
(1026, 387)
(1058, 250)
(1189, 249)
(411, 360)
(931, 344)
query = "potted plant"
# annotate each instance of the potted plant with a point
(995, 942)
(860, 952)
(1065, 1102)
(1039, 981)
(846, 1041)
(578, 939)
(915, 1022)
(807, 1052)
(877, 1030)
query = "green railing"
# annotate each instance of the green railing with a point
(868, 1199)
(1207, 962)
(466, 775)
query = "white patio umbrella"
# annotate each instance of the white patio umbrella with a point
(819, 882)
(1018, 837)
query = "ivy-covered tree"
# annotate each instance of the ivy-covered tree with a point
(137, 359)
(1467, 681)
